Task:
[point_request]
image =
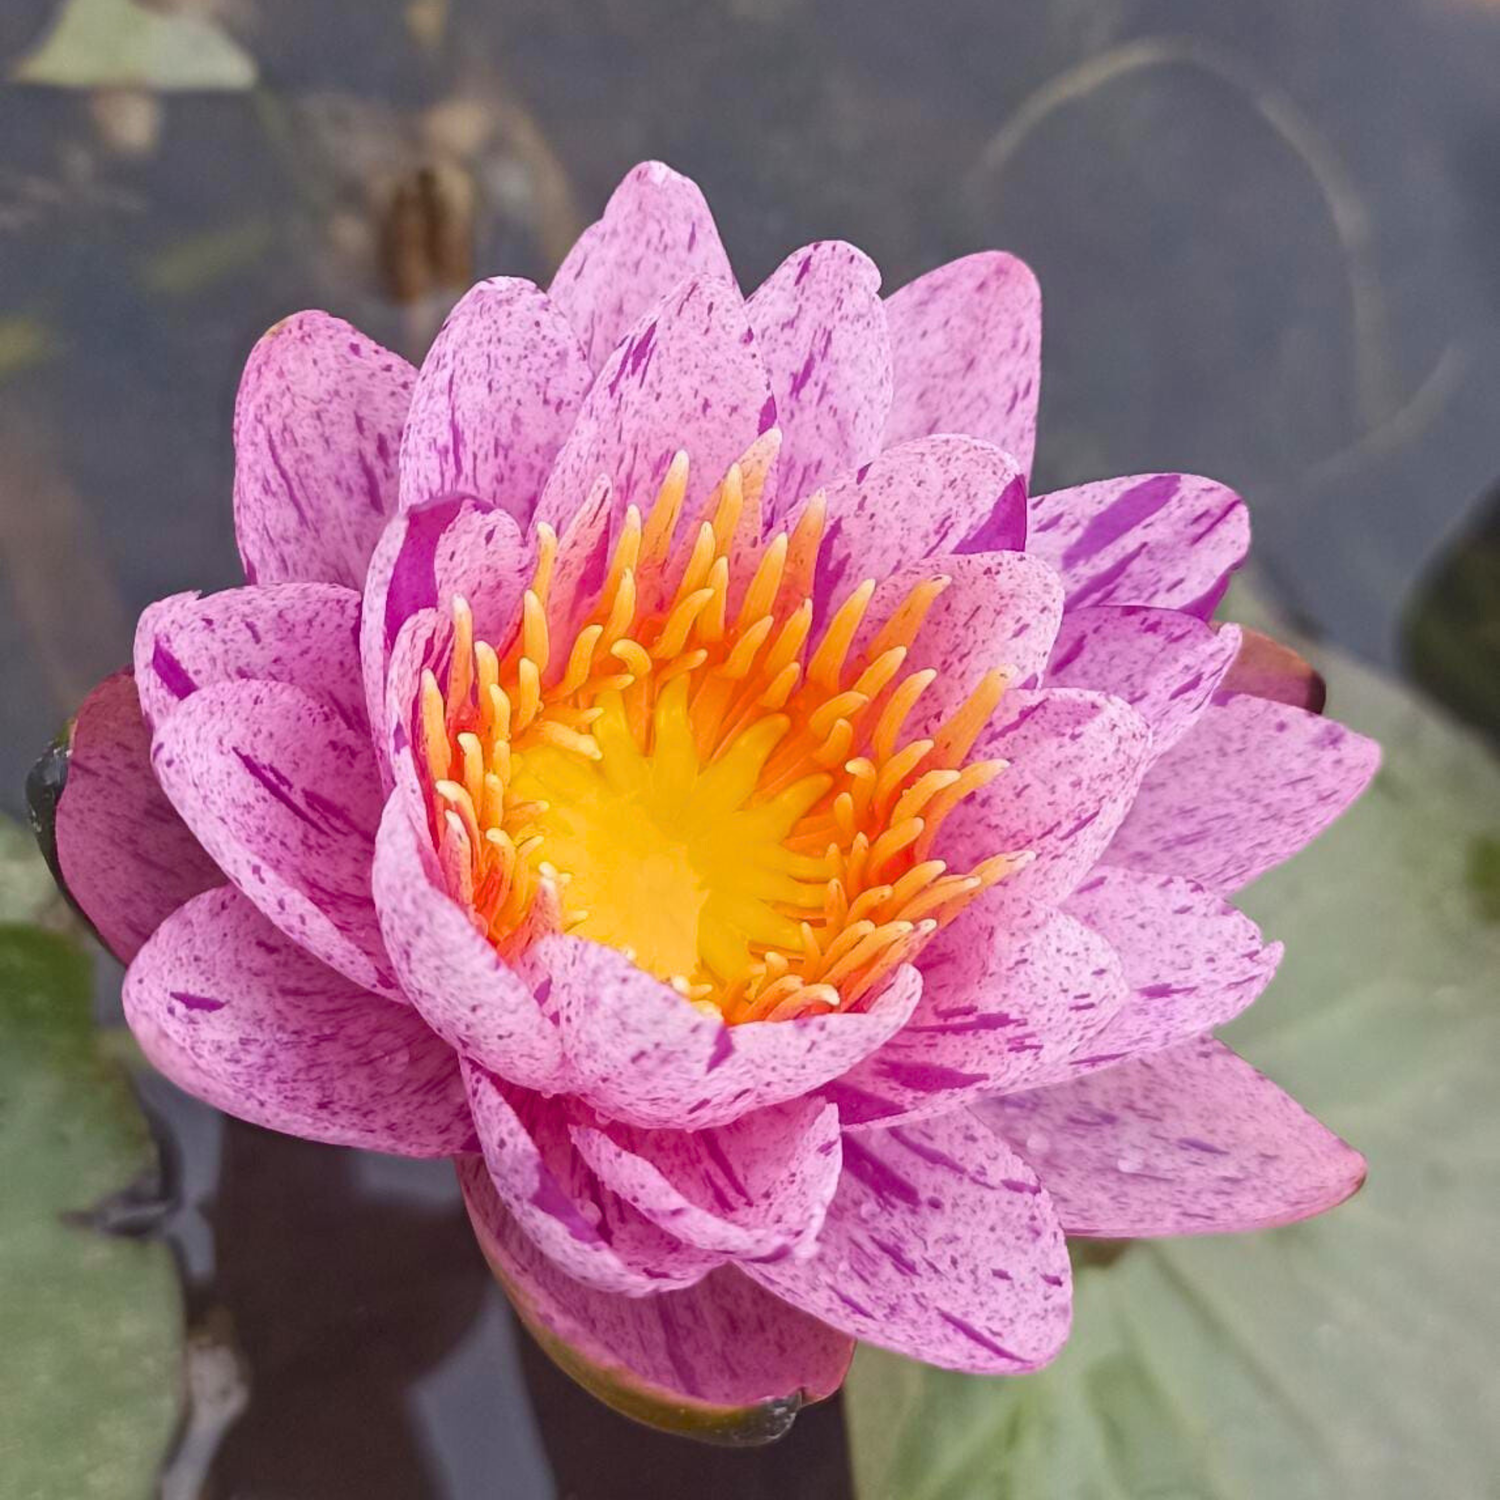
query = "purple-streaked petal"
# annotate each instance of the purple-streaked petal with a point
(1165, 664)
(940, 1247)
(306, 634)
(820, 328)
(1247, 787)
(586, 1231)
(233, 1011)
(1265, 668)
(126, 857)
(1005, 1002)
(449, 970)
(495, 398)
(656, 231)
(1075, 762)
(720, 1360)
(1187, 1141)
(317, 432)
(640, 1054)
(688, 377)
(285, 798)
(756, 1189)
(1168, 540)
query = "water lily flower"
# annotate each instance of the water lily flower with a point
(665, 759)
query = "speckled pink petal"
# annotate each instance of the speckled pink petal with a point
(1246, 788)
(966, 342)
(449, 970)
(1075, 762)
(496, 396)
(285, 798)
(128, 860)
(317, 430)
(1188, 1141)
(940, 1247)
(656, 231)
(1008, 997)
(1191, 960)
(820, 328)
(756, 1189)
(237, 1014)
(1165, 664)
(640, 1054)
(722, 1360)
(585, 1230)
(1265, 668)
(688, 376)
(306, 634)
(1169, 540)
(936, 495)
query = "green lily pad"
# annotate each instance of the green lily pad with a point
(1352, 1355)
(100, 44)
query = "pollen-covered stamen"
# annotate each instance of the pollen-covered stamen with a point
(680, 769)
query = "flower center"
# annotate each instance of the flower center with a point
(695, 781)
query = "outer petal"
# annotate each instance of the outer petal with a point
(1265, 668)
(1075, 761)
(1191, 960)
(317, 429)
(1170, 540)
(820, 328)
(656, 231)
(126, 857)
(641, 1055)
(587, 1232)
(756, 1189)
(1249, 786)
(722, 1360)
(449, 971)
(1004, 1004)
(235, 1013)
(939, 1247)
(1187, 1141)
(306, 634)
(966, 342)
(496, 396)
(1165, 664)
(938, 494)
(687, 377)
(286, 800)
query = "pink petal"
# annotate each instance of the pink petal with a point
(938, 494)
(285, 798)
(495, 398)
(940, 1247)
(642, 1055)
(1076, 760)
(966, 343)
(449, 970)
(1187, 1141)
(235, 1013)
(820, 328)
(1169, 540)
(317, 429)
(1004, 1004)
(1191, 960)
(756, 1189)
(656, 231)
(306, 634)
(1265, 668)
(587, 1232)
(1248, 786)
(128, 860)
(722, 1360)
(1165, 664)
(687, 377)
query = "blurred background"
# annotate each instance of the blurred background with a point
(1268, 236)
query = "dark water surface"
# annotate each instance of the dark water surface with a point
(1267, 236)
